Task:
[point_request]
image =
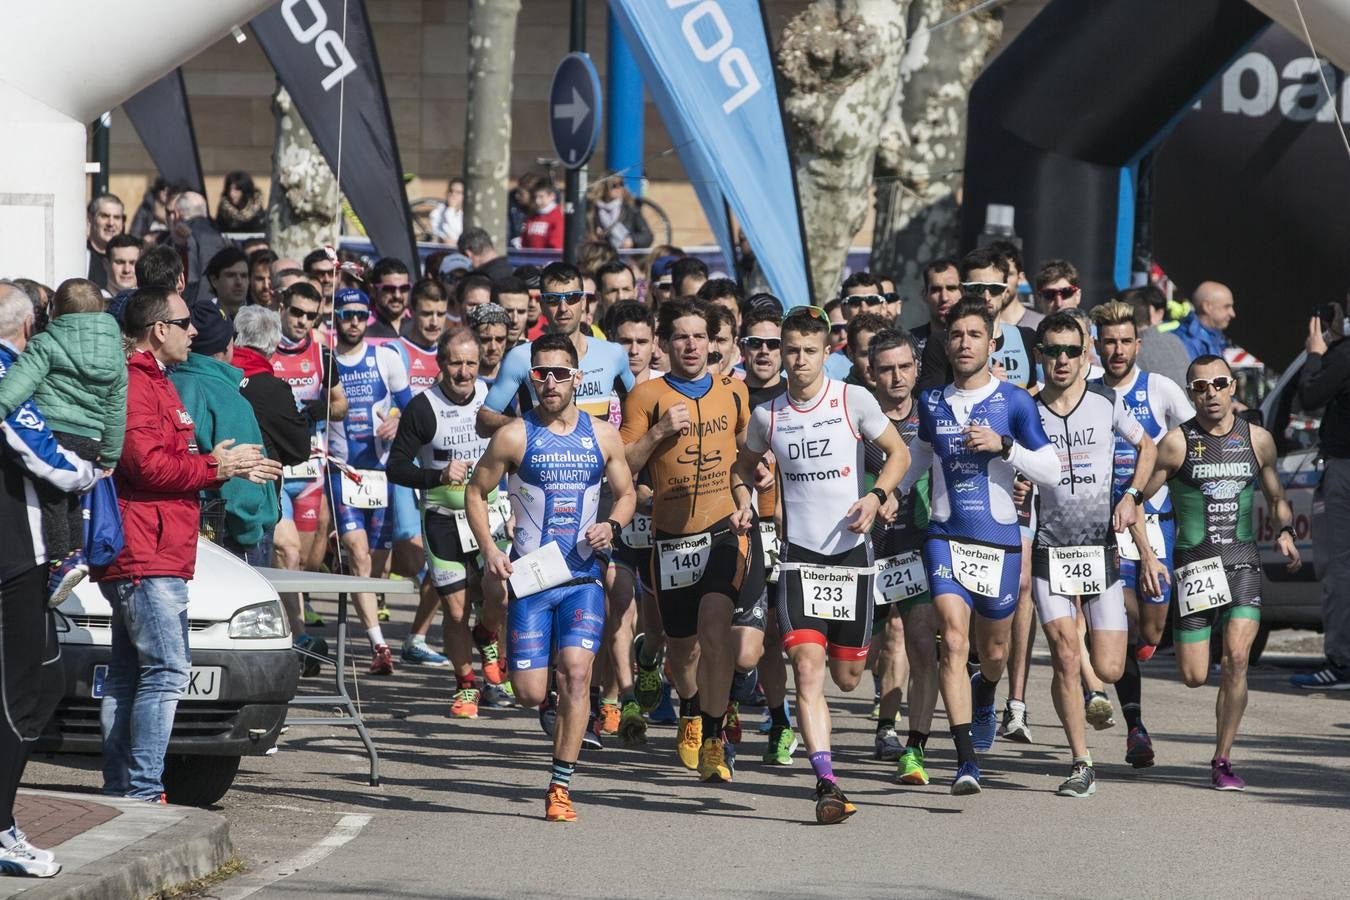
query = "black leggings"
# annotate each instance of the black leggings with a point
(31, 679)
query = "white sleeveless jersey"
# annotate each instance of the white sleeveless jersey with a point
(456, 432)
(818, 448)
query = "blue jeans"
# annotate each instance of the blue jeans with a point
(147, 675)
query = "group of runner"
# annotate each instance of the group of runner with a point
(691, 527)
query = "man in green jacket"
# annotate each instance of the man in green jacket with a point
(209, 388)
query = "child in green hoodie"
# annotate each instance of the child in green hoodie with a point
(76, 373)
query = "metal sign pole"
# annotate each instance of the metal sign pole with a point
(574, 193)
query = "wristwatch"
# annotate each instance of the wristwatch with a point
(1007, 446)
(614, 529)
(1136, 495)
(879, 494)
(1293, 535)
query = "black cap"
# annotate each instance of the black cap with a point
(214, 331)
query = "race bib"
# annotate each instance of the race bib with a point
(978, 569)
(309, 470)
(1202, 585)
(371, 493)
(768, 537)
(829, 593)
(637, 534)
(1155, 539)
(1077, 571)
(683, 560)
(497, 516)
(901, 577)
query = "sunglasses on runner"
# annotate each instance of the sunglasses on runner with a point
(1218, 382)
(1050, 351)
(754, 344)
(992, 288)
(857, 300)
(891, 297)
(1053, 294)
(394, 288)
(816, 311)
(572, 298)
(557, 373)
(302, 314)
(347, 315)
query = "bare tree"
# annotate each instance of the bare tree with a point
(303, 200)
(487, 133)
(923, 138)
(837, 63)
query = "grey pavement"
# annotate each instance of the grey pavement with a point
(459, 813)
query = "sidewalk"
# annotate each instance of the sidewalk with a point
(111, 847)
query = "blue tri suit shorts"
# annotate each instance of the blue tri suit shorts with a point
(566, 616)
(407, 519)
(1129, 568)
(937, 559)
(378, 524)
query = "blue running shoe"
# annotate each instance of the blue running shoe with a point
(1329, 678)
(418, 653)
(984, 722)
(743, 686)
(967, 780)
(664, 713)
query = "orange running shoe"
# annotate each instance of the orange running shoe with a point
(382, 661)
(689, 740)
(558, 805)
(466, 704)
(494, 666)
(610, 713)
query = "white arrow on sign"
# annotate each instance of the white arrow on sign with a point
(576, 110)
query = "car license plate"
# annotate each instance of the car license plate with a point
(203, 684)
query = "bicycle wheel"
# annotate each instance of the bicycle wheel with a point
(656, 220)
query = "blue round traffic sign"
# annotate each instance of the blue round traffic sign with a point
(574, 110)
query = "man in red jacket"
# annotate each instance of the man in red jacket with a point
(158, 480)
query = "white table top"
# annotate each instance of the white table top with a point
(287, 581)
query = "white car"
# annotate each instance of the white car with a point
(244, 674)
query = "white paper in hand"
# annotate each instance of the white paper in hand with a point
(538, 571)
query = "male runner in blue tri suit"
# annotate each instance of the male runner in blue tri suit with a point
(556, 458)
(973, 434)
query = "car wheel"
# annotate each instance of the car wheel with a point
(198, 780)
(1258, 644)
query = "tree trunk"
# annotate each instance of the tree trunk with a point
(838, 68)
(487, 132)
(303, 199)
(923, 142)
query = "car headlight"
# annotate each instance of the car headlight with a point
(265, 620)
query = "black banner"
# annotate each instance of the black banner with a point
(303, 39)
(161, 117)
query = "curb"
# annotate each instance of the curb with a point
(190, 846)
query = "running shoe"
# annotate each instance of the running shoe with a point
(417, 653)
(590, 738)
(14, 837)
(712, 761)
(1139, 748)
(548, 713)
(1081, 783)
(494, 667)
(558, 805)
(312, 618)
(1328, 678)
(466, 704)
(63, 575)
(910, 770)
(610, 713)
(382, 662)
(1144, 652)
(1015, 726)
(689, 740)
(649, 682)
(1100, 714)
(875, 714)
(887, 747)
(731, 725)
(984, 721)
(1221, 775)
(743, 685)
(664, 714)
(967, 780)
(382, 614)
(21, 862)
(782, 744)
(832, 807)
(498, 695)
(309, 666)
(632, 727)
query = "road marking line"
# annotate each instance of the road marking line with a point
(347, 828)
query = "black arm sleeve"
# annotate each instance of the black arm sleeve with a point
(416, 428)
(1324, 377)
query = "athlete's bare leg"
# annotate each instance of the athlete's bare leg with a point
(1238, 635)
(892, 667)
(1066, 660)
(1023, 631)
(953, 616)
(718, 648)
(921, 654)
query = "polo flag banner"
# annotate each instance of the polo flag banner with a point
(708, 66)
(162, 119)
(304, 41)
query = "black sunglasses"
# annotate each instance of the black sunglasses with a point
(394, 288)
(992, 288)
(1053, 294)
(1050, 351)
(857, 300)
(757, 343)
(184, 323)
(302, 314)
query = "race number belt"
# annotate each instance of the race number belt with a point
(828, 592)
(978, 569)
(637, 534)
(901, 577)
(768, 537)
(371, 492)
(1077, 571)
(309, 470)
(1202, 585)
(683, 560)
(1152, 527)
(498, 513)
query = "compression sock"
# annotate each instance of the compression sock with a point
(1128, 689)
(466, 682)
(876, 688)
(627, 694)
(689, 707)
(965, 750)
(823, 765)
(917, 739)
(375, 636)
(562, 773)
(984, 691)
(482, 636)
(778, 715)
(712, 726)
(595, 700)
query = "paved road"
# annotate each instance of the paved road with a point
(459, 811)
